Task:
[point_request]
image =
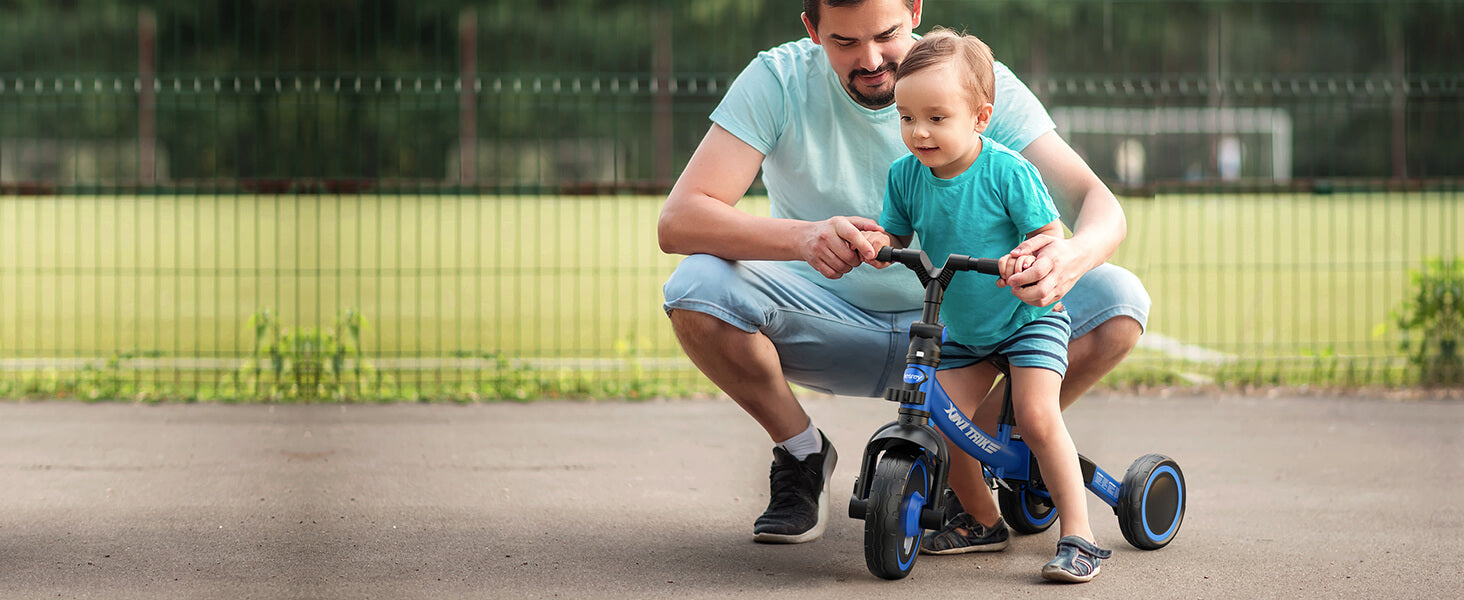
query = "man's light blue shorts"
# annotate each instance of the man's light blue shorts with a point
(829, 345)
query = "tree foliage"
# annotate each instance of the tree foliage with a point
(289, 128)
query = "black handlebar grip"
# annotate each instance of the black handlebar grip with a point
(886, 254)
(988, 266)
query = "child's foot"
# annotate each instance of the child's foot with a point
(1077, 561)
(963, 534)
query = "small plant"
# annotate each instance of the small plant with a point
(1432, 322)
(632, 349)
(306, 363)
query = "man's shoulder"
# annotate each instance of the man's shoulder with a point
(1003, 154)
(1006, 80)
(793, 58)
(1020, 117)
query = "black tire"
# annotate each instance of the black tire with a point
(1151, 502)
(892, 529)
(1025, 510)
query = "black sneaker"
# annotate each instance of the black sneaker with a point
(799, 508)
(977, 537)
(1077, 561)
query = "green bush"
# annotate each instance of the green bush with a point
(306, 363)
(1432, 322)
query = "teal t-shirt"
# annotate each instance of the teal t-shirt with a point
(983, 212)
(825, 155)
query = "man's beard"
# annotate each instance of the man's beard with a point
(879, 99)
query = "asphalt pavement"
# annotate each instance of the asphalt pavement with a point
(1290, 497)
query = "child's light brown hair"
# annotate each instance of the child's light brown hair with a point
(971, 57)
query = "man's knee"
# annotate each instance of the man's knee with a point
(1104, 295)
(715, 288)
(694, 325)
(698, 277)
(1106, 344)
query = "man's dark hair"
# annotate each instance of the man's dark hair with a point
(810, 7)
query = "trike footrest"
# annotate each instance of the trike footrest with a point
(904, 396)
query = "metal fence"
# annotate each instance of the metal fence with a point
(249, 199)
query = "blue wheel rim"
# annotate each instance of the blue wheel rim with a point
(910, 514)
(1027, 511)
(1178, 504)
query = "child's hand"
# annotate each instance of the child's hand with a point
(878, 239)
(1011, 265)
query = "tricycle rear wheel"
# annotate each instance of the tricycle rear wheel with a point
(1151, 502)
(1025, 509)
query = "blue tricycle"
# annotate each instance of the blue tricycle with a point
(900, 489)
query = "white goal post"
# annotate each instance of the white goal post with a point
(1147, 123)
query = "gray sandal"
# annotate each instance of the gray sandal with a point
(963, 534)
(1077, 561)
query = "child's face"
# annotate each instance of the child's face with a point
(937, 121)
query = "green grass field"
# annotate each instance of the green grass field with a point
(1263, 278)
(433, 275)
(1278, 275)
(1287, 283)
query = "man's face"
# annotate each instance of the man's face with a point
(865, 43)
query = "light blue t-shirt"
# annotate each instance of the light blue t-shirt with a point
(984, 212)
(826, 156)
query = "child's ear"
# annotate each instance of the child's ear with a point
(983, 117)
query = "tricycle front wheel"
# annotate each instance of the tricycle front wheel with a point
(892, 529)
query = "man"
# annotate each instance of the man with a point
(762, 301)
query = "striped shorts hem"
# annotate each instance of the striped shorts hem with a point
(1041, 344)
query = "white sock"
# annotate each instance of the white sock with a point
(803, 444)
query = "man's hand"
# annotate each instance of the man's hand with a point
(1009, 265)
(836, 245)
(1055, 266)
(877, 240)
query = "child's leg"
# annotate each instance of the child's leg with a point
(1039, 419)
(966, 386)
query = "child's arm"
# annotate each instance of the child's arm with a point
(1012, 265)
(880, 239)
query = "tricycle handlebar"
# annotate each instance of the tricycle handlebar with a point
(916, 260)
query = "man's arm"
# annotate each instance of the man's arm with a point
(1096, 219)
(700, 216)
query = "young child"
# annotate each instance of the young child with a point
(963, 193)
